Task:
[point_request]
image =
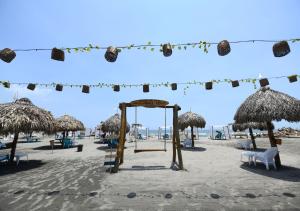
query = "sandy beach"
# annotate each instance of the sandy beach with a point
(215, 179)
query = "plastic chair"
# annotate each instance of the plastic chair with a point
(267, 157)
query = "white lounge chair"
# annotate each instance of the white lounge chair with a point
(245, 144)
(187, 143)
(4, 157)
(2, 145)
(18, 155)
(267, 157)
(249, 155)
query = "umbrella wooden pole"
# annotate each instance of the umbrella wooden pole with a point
(192, 134)
(13, 147)
(174, 137)
(273, 143)
(176, 108)
(252, 138)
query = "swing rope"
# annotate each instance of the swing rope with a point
(149, 150)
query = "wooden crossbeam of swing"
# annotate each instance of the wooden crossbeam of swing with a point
(149, 150)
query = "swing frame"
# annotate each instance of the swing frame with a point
(148, 103)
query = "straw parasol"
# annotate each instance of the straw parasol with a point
(113, 124)
(190, 119)
(23, 116)
(250, 126)
(67, 123)
(267, 105)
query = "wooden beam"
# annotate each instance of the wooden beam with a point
(174, 136)
(149, 150)
(273, 143)
(178, 138)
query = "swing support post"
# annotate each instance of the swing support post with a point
(149, 103)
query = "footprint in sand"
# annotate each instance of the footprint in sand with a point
(289, 195)
(131, 195)
(214, 196)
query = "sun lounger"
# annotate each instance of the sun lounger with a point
(2, 145)
(249, 155)
(245, 144)
(187, 143)
(67, 143)
(33, 138)
(267, 157)
(18, 155)
(4, 157)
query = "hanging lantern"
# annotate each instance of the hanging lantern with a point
(85, 89)
(6, 84)
(235, 83)
(116, 88)
(174, 86)
(264, 82)
(59, 87)
(223, 48)
(31, 86)
(292, 78)
(7, 55)
(208, 85)
(167, 50)
(111, 54)
(146, 88)
(58, 54)
(281, 48)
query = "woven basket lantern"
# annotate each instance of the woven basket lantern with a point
(116, 88)
(31, 86)
(223, 48)
(58, 54)
(111, 54)
(146, 88)
(264, 82)
(6, 84)
(7, 55)
(174, 86)
(167, 49)
(208, 85)
(281, 48)
(85, 89)
(292, 78)
(235, 83)
(59, 87)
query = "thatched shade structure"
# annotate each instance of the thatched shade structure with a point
(67, 123)
(192, 120)
(113, 124)
(267, 105)
(250, 126)
(23, 116)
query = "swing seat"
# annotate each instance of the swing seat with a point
(109, 163)
(149, 150)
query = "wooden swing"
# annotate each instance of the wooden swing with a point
(149, 103)
(136, 150)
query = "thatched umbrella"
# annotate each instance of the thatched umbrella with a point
(113, 124)
(192, 120)
(267, 105)
(250, 126)
(23, 116)
(68, 123)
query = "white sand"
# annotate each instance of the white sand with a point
(214, 179)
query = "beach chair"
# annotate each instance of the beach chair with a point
(187, 143)
(67, 143)
(245, 144)
(267, 157)
(4, 158)
(2, 145)
(249, 155)
(18, 155)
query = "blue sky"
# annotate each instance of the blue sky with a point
(70, 23)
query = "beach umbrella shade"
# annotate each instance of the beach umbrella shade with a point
(67, 123)
(190, 119)
(250, 126)
(267, 105)
(113, 124)
(23, 116)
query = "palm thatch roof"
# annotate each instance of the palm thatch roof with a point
(113, 124)
(190, 119)
(68, 123)
(23, 116)
(267, 105)
(253, 125)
